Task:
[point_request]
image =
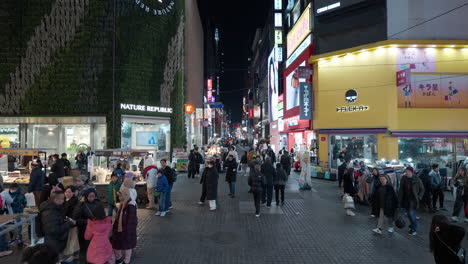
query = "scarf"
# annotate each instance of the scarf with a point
(125, 192)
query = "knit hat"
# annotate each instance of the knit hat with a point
(410, 168)
(129, 175)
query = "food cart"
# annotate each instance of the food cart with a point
(105, 160)
(181, 159)
(21, 175)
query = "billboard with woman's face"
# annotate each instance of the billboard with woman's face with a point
(292, 88)
(273, 84)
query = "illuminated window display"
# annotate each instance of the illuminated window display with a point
(146, 133)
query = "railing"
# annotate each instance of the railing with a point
(18, 220)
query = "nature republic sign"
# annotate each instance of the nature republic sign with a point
(156, 7)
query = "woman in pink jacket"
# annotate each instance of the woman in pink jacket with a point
(98, 230)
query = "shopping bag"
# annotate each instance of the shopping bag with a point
(73, 245)
(348, 202)
(30, 201)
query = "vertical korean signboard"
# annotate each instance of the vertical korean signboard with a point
(209, 90)
(305, 94)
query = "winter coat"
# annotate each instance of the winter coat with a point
(120, 173)
(69, 208)
(126, 239)
(269, 171)
(36, 180)
(45, 193)
(192, 162)
(231, 170)
(210, 178)
(112, 190)
(437, 181)
(58, 168)
(83, 212)
(162, 185)
(348, 184)
(54, 227)
(233, 153)
(390, 203)
(417, 191)
(281, 177)
(18, 202)
(243, 159)
(452, 236)
(80, 191)
(167, 171)
(100, 248)
(256, 182)
(285, 161)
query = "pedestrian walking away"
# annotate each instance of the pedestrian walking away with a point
(286, 162)
(349, 188)
(410, 193)
(445, 241)
(280, 180)
(257, 182)
(97, 231)
(461, 193)
(426, 202)
(384, 205)
(270, 173)
(231, 174)
(244, 163)
(438, 186)
(209, 181)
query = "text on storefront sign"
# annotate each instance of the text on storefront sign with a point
(351, 109)
(146, 108)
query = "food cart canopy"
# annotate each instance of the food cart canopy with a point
(121, 152)
(22, 151)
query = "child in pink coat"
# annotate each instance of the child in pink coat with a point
(98, 230)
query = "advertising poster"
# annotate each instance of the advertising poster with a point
(434, 91)
(306, 101)
(292, 88)
(146, 138)
(416, 59)
(273, 88)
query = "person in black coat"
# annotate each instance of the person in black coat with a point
(348, 182)
(280, 183)
(286, 162)
(384, 204)
(192, 168)
(445, 240)
(66, 164)
(58, 167)
(70, 203)
(257, 182)
(270, 174)
(53, 225)
(36, 182)
(426, 201)
(209, 181)
(231, 173)
(52, 182)
(83, 212)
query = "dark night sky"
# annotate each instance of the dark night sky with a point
(237, 22)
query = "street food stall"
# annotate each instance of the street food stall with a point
(181, 159)
(21, 174)
(106, 160)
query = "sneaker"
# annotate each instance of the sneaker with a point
(412, 233)
(158, 213)
(350, 213)
(201, 203)
(257, 215)
(212, 209)
(418, 218)
(268, 206)
(167, 211)
(454, 218)
(263, 204)
(466, 220)
(163, 213)
(377, 231)
(373, 216)
(170, 207)
(391, 229)
(9, 252)
(11, 243)
(148, 206)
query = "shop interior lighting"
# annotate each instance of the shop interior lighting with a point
(409, 160)
(383, 160)
(452, 46)
(415, 46)
(433, 46)
(393, 160)
(366, 161)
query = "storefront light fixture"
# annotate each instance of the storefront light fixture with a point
(452, 46)
(414, 46)
(409, 159)
(393, 160)
(383, 160)
(433, 46)
(366, 161)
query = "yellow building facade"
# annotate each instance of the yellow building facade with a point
(359, 104)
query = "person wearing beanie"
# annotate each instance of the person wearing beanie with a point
(124, 236)
(410, 193)
(97, 231)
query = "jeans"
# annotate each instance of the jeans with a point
(412, 218)
(111, 209)
(460, 203)
(268, 194)
(257, 196)
(437, 193)
(279, 189)
(169, 197)
(382, 218)
(232, 187)
(163, 202)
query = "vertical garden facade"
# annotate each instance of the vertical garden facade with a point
(99, 73)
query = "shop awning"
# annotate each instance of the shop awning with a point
(431, 134)
(350, 131)
(22, 152)
(120, 152)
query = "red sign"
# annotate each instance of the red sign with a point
(323, 138)
(294, 122)
(403, 77)
(251, 113)
(209, 88)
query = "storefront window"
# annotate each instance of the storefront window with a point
(9, 136)
(146, 133)
(99, 137)
(423, 152)
(360, 147)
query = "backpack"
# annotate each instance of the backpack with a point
(174, 175)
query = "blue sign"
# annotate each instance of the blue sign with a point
(146, 138)
(216, 106)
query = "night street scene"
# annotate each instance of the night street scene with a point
(243, 132)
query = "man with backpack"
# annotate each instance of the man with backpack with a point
(198, 160)
(171, 176)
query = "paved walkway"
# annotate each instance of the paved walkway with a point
(311, 228)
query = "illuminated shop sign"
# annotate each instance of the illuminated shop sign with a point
(146, 108)
(156, 7)
(306, 101)
(209, 90)
(304, 45)
(278, 36)
(278, 4)
(326, 6)
(299, 32)
(278, 20)
(352, 109)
